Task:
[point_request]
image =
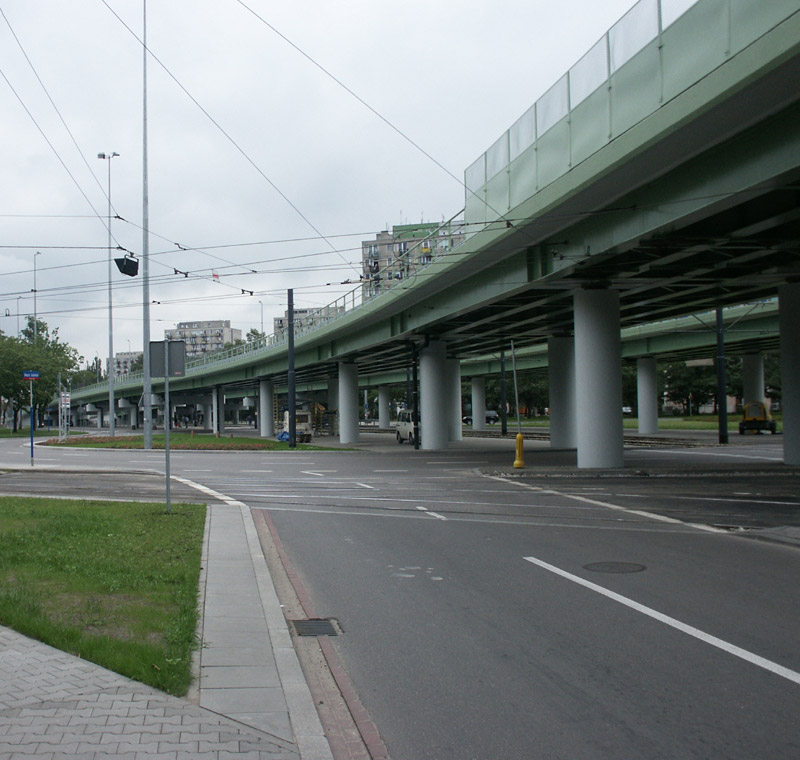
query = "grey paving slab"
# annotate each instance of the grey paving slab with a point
(243, 631)
(234, 656)
(275, 723)
(105, 715)
(241, 700)
(244, 676)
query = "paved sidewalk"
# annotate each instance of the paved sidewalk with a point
(54, 705)
(251, 701)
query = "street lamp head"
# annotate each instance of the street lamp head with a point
(107, 155)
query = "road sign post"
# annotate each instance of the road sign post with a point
(167, 359)
(30, 375)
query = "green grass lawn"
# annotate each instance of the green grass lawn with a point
(112, 582)
(38, 433)
(185, 441)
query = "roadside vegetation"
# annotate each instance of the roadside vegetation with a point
(111, 582)
(695, 422)
(185, 441)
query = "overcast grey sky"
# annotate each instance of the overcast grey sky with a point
(450, 75)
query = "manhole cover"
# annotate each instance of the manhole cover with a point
(615, 567)
(315, 627)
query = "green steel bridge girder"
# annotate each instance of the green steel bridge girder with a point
(749, 329)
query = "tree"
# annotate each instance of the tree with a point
(41, 350)
(13, 362)
(89, 375)
(137, 365)
(690, 386)
(253, 334)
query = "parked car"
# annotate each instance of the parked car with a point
(757, 418)
(491, 417)
(405, 426)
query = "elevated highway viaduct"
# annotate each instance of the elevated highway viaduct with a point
(659, 178)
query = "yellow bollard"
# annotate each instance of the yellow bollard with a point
(519, 462)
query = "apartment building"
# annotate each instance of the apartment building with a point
(123, 361)
(204, 337)
(399, 254)
(304, 318)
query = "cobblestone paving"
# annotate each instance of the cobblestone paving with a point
(54, 706)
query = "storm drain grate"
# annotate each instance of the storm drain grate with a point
(615, 567)
(315, 627)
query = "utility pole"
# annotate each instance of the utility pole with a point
(110, 365)
(291, 376)
(147, 385)
(722, 379)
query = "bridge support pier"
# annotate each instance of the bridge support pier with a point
(561, 380)
(598, 379)
(218, 410)
(384, 408)
(348, 403)
(647, 394)
(434, 388)
(479, 403)
(453, 367)
(789, 320)
(753, 377)
(266, 408)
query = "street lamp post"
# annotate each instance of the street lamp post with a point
(110, 364)
(35, 318)
(147, 386)
(261, 304)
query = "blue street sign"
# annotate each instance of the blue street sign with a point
(30, 374)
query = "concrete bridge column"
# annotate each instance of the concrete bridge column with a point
(598, 379)
(433, 377)
(455, 432)
(348, 403)
(561, 381)
(128, 408)
(647, 394)
(753, 377)
(95, 408)
(208, 412)
(218, 410)
(266, 408)
(789, 321)
(384, 408)
(478, 403)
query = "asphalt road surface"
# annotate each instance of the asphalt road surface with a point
(539, 617)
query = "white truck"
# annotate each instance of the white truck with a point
(303, 425)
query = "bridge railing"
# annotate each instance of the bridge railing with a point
(441, 243)
(658, 49)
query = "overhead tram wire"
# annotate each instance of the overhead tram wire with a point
(51, 146)
(247, 265)
(370, 108)
(225, 133)
(106, 222)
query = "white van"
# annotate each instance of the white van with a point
(303, 425)
(405, 426)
